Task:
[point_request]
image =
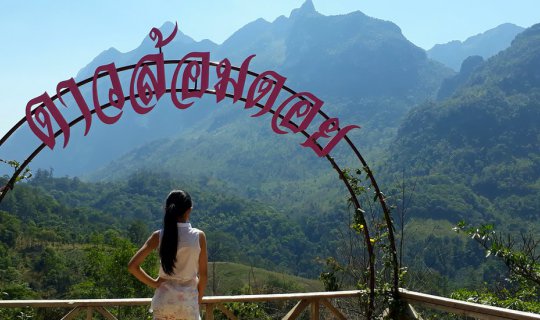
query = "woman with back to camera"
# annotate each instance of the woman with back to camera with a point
(183, 269)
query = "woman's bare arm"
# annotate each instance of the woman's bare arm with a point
(203, 266)
(134, 265)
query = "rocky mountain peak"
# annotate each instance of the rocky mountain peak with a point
(307, 9)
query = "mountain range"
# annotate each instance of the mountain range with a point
(486, 44)
(367, 72)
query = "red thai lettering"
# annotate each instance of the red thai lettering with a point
(157, 36)
(145, 83)
(329, 129)
(116, 94)
(267, 83)
(223, 71)
(71, 86)
(148, 84)
(305, 108)
(42, 117)
(195, 71)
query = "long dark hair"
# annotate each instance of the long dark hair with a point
(176, 205)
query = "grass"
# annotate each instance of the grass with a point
(234, 278)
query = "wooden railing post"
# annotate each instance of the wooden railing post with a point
(333, 309)
(226, 312)
(72, 313)
(105, 313)
(296, 310)
(314, 309)
(209, 311)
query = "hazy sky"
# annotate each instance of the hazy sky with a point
(44, 42)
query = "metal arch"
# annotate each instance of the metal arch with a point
(356, 202)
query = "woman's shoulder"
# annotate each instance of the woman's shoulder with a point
(156, 234)
(153, 240)
(198, 231)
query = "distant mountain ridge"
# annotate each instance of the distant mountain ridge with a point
(451, 84)
(485, 44)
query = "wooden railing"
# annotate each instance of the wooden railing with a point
(458, 307)
(90, 306)
(314, 301)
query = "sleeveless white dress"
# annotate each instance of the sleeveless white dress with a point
(177, 297)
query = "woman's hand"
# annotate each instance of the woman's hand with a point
(157, 282)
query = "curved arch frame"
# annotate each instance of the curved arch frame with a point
(354, 199)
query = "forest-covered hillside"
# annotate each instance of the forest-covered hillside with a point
(476, 154)
(74, 221)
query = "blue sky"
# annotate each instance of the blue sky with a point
(44, 42)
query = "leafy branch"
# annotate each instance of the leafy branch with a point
(26, 174)
(521, 255)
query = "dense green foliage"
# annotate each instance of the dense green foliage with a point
(63, 238)
(68, 210)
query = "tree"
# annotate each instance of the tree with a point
(138, 232)
(521, 290)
